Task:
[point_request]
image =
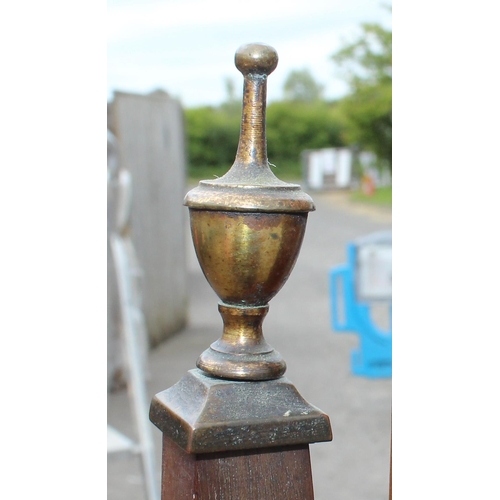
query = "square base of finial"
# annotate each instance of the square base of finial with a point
(204, 414)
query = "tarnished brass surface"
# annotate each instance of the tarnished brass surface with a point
(242, 330)
(250, 185)
(247, 257)
(203, 414)
(211, 195)
(247, 230)
(242, 352)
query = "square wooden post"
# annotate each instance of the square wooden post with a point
(282, 473)
(230, 440)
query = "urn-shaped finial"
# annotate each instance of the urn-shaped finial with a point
(247, 229)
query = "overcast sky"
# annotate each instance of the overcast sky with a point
(187, 47)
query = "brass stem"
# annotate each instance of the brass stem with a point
(247, 229)
(252, 146)
(242, 353)
(242, 330)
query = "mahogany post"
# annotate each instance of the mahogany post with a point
(235, 428)
(264, 473)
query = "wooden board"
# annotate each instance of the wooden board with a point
(150, 134)
(280, 473)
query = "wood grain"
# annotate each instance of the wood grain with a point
(281, 473)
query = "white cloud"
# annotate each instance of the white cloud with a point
(187, 46)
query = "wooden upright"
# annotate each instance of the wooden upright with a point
(235, 428)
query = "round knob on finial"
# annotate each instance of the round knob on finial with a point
(256, 58)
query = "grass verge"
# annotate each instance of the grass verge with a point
(382, 197)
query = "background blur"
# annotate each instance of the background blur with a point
(174, 110)
(332, 87)
(53, 277)
(187, 47)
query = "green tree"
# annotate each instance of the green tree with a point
(366, 113)
(212, 136)
(232, 104)
(301, 86)
(295, 126)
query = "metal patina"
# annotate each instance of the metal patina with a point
(212, 414)
(247, 229)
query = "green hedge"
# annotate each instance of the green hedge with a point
(212, 136)
(294, 126)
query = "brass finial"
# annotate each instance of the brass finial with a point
(256, 62)
(247, 230)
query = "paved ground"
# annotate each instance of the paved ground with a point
(355, 466)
